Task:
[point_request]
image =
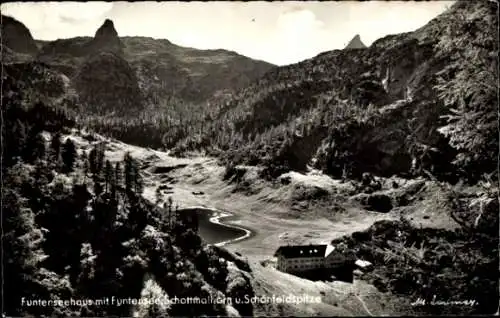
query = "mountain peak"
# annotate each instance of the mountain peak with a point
(107, 29)
(16, 36)
(106, 38)
(356, 43)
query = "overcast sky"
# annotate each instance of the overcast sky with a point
(277, 32)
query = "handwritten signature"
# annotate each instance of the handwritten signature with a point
(439, 302)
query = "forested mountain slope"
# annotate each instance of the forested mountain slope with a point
(164, 69)
(405, 105)
(423, 103)
(129, 87)
(76, 228)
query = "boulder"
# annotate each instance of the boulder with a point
(375, 202)
(380, 203)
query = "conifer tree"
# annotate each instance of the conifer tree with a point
(85, 166)
(93, 160)
(108, 176)
(42, 175)
(38, 148)
(69, 154)
(97, 186)
(14, 141)
(87, 266)
(21, 248)
(55, 147)
(138, 181)
(118, 175)
(471, 96)
(100, 158)
(170, 207)
(129, 172)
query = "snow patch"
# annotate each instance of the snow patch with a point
(315, 178)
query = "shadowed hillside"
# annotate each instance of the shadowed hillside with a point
(387, 152)
(198, 74)
(106, 83)
(77, 235)
(134, 88)
(16, 36)
(393, 108)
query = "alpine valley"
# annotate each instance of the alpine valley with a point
(390, 150)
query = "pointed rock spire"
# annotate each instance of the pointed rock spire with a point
(106, 38)
(356, 43)
(106, 30)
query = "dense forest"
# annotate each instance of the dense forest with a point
(75, 226)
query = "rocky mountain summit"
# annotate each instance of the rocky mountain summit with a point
(106, 39)
(355, 43)
(161, 69)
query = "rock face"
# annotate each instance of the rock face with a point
(17, 37)
(71, 51)
(356, 43)
(106, 39)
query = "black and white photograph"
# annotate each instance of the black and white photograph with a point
(249, 159)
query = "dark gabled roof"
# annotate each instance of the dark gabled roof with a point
(297, 251)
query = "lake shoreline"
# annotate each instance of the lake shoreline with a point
(223, 218)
